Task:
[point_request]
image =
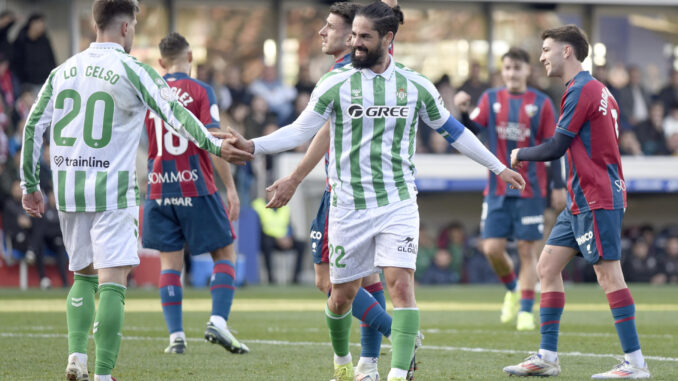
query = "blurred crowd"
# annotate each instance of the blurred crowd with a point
(649, 126)
(649, 255)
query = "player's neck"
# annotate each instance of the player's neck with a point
(179, 68)
(382, 65)
(341, 54)
(570, 71)
(107, 37)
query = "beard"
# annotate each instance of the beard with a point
(368, 60)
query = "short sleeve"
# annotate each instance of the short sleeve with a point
(574, 112)
(209, 109)
(432, 111)
(480, 114)
(547, 123)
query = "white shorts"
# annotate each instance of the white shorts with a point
(361, 242)
(107, 239)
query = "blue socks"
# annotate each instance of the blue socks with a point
(370, 337)
(222, 288)
(623, 311)
(551, 308)
(171, 294)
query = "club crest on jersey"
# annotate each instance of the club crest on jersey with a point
(496, 107)
(356, 93)
(401, 94)
(531, 110)
(356, 111)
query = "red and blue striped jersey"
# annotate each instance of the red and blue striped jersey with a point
(516, 121)
(590, 115)
(176, 166)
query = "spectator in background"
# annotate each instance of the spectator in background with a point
(669, 94)
(236, 87)
(7, 20)
(48, 236)
(640, 264)
(224, 98)
(600, 73)
(33, 58)
(300, 103)
(276, 234)
(9, 84)
(473, 85)
(452, 239)
(634, 99)
(259, 116)
(426, 252)
(439, 272)
(278, 95)
(304, 84)
(203, 73)
(650, 133)
(670, 126)
(670, 259)
(21, 108)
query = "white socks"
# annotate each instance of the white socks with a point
(176, 335)
(218, 321)
(397, 373)
(342, 360)
(635, 358)
(547, 355)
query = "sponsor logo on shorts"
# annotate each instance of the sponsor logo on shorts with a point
(582, 239)
(531, 220)
(173, 177)
(315, 237)
(175, 201)
(408, 246)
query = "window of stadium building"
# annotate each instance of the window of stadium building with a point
(152, 27)
(457, 33)
(227, 35)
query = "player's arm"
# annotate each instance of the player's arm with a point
(156, 95)
(223, 168)
(436, 116)
(284, 188)
(38, 120)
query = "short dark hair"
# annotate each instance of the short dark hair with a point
(517, 54)
(172, 45)
(385, 18)
(345, 10)
(104, 11)
(572, 35)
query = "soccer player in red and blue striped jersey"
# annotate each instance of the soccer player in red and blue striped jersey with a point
(514, 116)
(588, 130)
(183, 206)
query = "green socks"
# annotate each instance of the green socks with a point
(108, 326)
(340, 331)
(80, 311)
(403, 334)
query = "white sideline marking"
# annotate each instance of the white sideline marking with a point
(310, 343)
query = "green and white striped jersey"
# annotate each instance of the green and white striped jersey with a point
(373, 131)
(95, 104)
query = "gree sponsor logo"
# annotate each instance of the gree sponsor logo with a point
(358, 111)
(80, 161)
(173, 177)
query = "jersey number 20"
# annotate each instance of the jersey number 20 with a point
(88, 127)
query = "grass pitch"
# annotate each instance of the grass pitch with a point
(285, 330)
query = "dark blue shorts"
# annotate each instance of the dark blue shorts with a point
(319, 247)
(596, 233)
(201, 222)
(513, 217)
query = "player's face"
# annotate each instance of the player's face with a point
(129, 37)
(514, 73)
(367, 49)
(552, 57)
(335, 36)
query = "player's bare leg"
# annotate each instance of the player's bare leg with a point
(400, 283)
(495, 252)
(527, 279)
(322, 277)
(171, 296)
(79, 318)
(222, 288)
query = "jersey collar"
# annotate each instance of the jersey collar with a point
(106, 45)
(176, 75)
(387, 74)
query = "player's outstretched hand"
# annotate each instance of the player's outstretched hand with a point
(513, 178)
(233, 204)
(515, 163)
(33, 204)
(463, 101)
(283, 190)
(234, 148)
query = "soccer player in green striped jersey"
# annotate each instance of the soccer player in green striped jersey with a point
(94, 105)
(373, 106)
